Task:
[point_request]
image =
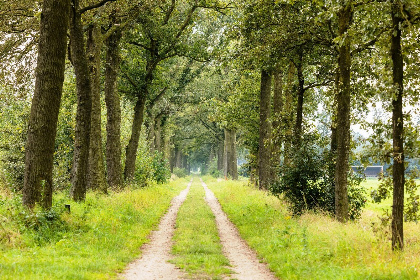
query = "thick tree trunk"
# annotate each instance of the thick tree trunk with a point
(343, 116)
(158, 133)
(277, 119)
(150, 125)
(84, 105)
(333, 146)
(96, 159)
(231, 168)
(39, 151)
(288, 113)
(131, 150)
(113, 108)
(264, 151)
(185, 164)
(220, 153)
(172, 160)
(178, 157)
(397, 129)
(299, 106)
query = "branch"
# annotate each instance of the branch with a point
(186, 22)
(130, 80)
(141, 46)
(94, 6)
(169, 13)
(218, 8)
(158, 97)
(113, 29)
(313, 85)
(370, 43)
(216, 134)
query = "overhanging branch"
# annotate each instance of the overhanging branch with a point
(94, 6)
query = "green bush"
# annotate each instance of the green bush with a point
(161, 172)
(180, 172)
(13, 120)
(212, 170)
(307, 182)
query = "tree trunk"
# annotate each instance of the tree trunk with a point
(264, 153)
(158, 133)
(231, 169)
(49, 78)
(343, 116)
(277, 119)
(178, 157)
(172, 160)
(113, 108)
(220, 153)
(150, 125)
(185, 164)
(131, 150)
(299, 106)
(84, 105)
(96, 159)
(288, 114)
(333, 146)
(397, 129)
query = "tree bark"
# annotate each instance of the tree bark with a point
(264, 151)
(220, 153)
(150, 125)
(343, 115)
(277, 119)
(158, 133)
(131, 150)
(96, 159)
(231, 168)
(49, 78)
(397, 129)
(299, 106)
(84, 105)
(288, 113)
(333, 145)
(113, 108)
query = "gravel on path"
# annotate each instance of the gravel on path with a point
(153, 263)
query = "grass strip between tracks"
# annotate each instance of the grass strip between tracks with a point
(197, 247)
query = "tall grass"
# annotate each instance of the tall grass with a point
(97, 239)
(315, 246)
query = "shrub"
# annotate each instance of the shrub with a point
(161, 172)
(307, 182)
(212, 170)
(180, 172)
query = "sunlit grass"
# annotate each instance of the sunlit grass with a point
(315, 246)
(197, 247)
(102, 235)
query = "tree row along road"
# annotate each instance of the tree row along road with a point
(154, 264)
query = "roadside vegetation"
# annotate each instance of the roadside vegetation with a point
(94, 241)
(197, 247)
(316, 246)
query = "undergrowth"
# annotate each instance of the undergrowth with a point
(94, 241)
(315, 246)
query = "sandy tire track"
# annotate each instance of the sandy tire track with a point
(244, 260)
(153, 263)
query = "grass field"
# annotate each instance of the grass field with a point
(315, 246)
(95, 241)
